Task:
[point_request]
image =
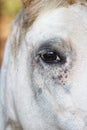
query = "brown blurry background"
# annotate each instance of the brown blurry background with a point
(8, 11)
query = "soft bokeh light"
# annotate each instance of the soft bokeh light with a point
(8, 10)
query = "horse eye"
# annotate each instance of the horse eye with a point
(52, 57)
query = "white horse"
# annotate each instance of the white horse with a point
(44, 72)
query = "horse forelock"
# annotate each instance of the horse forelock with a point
(27, 3)
(32, 8)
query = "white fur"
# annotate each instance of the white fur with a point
(21, 77)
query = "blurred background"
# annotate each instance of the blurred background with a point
(8, 11)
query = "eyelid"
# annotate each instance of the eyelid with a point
(45, 50)
(53, 42)
(57, 44)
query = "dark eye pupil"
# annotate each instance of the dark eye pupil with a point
(50, 57)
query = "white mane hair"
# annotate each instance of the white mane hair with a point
(43, 80)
